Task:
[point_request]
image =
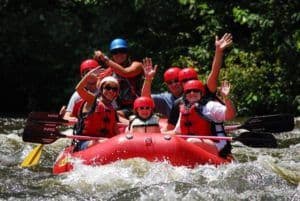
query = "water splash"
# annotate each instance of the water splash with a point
(290, 171)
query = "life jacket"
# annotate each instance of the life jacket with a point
(100, 121)
(192, 123)
(137, 124)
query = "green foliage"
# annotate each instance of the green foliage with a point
(257, 84)
(44, 42)
(244, 17)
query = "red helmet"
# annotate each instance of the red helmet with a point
(143, 101)
(171, 73)
(187, 74)
(194, 85)
(88, 65)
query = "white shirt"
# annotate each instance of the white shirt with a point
(74, 99)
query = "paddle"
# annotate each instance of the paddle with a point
(47, 133)
(250, 139)
(270, 123)
(33, 157)
(44, 134)
(47, 118)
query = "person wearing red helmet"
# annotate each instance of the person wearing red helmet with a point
(144, 120)
(95, 111)
(128, 73)
(86, 66)
(187, 74)
(205, 117)
(212, 79)
(165, 100)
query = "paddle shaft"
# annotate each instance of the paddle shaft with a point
(251, 139)
(81, 137)
(207, 137)
(269, 123)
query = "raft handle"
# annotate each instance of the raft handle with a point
(129, 136)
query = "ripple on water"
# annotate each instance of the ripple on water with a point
(246, 179)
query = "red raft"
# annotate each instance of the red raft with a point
(153, 147)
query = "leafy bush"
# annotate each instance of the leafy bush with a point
(258, 86)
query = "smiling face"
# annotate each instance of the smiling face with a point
(119, 55)
(144, 112)
(110, 90)
(175, 87)
(193, 90)
(193, 96)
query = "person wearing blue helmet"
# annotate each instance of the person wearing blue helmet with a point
(118, 44)
(128, 73)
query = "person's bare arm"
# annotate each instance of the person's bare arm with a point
(230, 109)
(85, 94)
(149, 73)
(69, 117)
(134, 69)
(221, 45)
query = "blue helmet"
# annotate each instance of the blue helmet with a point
(118, 43)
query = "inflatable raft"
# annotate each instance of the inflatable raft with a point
(153, 147)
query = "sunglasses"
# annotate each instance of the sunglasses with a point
(144, 108)
(119, 51)
(114, 89)
(172, 82)
(192, 90)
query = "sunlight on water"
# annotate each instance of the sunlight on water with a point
(257, 174)
(289, 170)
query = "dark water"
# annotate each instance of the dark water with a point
(257, 174)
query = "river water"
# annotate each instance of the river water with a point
(256, 174)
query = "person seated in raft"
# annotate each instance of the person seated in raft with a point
(144, 120)
(95, 112)
(199, 116)
(164, 100)
(86, 66)
(211, 82)
(128, 71)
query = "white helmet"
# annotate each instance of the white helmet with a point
(108, 79)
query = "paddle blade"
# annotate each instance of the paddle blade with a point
(270, 123)
(257, 140)
(33, 157)
(40, 134)
(46, 118)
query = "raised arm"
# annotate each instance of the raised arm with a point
(221, 45)
(90, 78)
(134, 69)
(149, 73)
(230, 109)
